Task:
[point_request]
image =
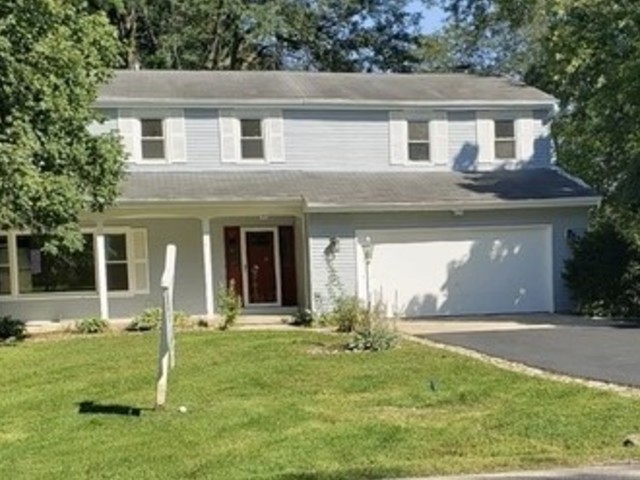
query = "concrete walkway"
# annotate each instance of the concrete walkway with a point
(617, 472)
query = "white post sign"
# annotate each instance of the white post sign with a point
(167, 354)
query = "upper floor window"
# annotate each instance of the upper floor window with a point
(251, 139)
(418, 133)
(152, 139)
(505, 139)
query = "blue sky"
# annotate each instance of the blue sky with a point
(432, 18)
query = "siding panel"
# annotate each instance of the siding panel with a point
(463, 143)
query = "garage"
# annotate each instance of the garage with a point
(459, 271)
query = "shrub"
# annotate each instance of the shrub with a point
(12, 329)
(303, 318)
(376, 338)
(348, 314)
(92, 325)
(229, 305)
(604, 273)
(151, 319)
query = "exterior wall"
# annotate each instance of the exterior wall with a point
(350, 140)
(322, 227)
(189, 286)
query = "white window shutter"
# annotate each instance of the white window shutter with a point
(275, 137)
(398, 138)
(524, 127)
(439, 138)
(176, 137)
(140, 260)
(229, 137)
(129, 128)
(485, 136)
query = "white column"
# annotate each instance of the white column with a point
(208, 268)
(102, 273)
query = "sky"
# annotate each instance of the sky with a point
(433, 18)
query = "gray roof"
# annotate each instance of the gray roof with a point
(353, 189)
(313, 88)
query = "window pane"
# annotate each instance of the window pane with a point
(4, 251)
(252, 148)
(151, 127)
(504, 129)
(5, 281)
(419, 131)
(419, 151)
(117, 276)
(251, 128)
(116, 246)
(153, 149)
(505, 149)
(41, 272)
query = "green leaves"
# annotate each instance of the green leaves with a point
(53, 58)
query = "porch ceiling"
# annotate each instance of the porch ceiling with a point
(356, 189)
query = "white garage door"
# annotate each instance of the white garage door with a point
(459, 271)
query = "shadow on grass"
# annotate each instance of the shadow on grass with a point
(91, 407)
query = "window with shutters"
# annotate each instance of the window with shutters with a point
(505, 139)
(418, 148)
(39, 272)
(251, 139)
(152, 139)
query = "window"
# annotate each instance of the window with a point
(5, 278)
(418, 141)
(505, 139)
(251, 139)
(152, 139)
(38, 272)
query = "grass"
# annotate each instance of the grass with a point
(272, 405)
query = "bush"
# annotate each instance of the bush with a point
(376, 338)
(348, 314)
(92, 325)
(229, 305)
(604, 273)
(151, 319)
(12, 329)
(303, 318)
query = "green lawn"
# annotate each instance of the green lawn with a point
(269, 405)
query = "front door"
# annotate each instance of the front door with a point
(261, 276)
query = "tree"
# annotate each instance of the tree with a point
(324, 35)
(53, 58)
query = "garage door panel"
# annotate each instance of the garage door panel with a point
(461, 272)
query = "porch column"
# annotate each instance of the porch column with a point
(102, 273)
(208, 268)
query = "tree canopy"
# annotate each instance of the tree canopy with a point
(53, 58)
(324, 35)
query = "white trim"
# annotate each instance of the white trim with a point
(208, 268)
(437, 232)
(245, 270)
(501, 205)
(14, 267)
(101, 271)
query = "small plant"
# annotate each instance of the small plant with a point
(375, 339)
(229, 305)
(202, 323)
(12, 329)
(151, 318)
(348, 314)
(92, 325)
(303, 318)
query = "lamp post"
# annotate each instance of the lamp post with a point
(367, 249)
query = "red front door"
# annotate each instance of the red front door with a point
(262, 285)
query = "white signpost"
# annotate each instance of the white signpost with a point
(167, 352)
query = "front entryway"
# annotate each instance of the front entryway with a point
(261, 267)
(260, 263)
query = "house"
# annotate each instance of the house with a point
(436, 194)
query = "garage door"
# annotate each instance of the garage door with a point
(459, 271)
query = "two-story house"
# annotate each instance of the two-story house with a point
(436, 194)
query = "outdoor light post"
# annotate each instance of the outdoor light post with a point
(367, 249)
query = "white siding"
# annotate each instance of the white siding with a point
(542, 149)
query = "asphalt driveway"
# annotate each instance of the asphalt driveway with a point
(586, 349)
